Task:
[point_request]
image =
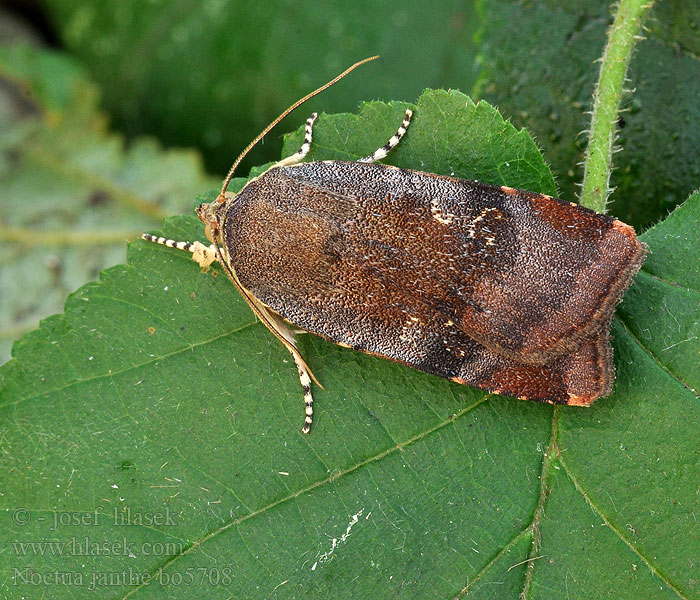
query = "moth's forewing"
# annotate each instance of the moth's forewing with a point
(457, 278)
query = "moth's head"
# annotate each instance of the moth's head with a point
(208, 213)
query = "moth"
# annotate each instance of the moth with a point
(505, 290)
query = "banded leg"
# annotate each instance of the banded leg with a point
(308, 398)
(299, 155)
(204, 255)
(392, 143)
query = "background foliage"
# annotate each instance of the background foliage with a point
(146, 396)
(210, 75)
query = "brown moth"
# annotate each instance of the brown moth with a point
(505, 290)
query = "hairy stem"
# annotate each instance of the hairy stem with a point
(622, 36)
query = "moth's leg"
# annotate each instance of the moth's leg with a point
(276, 324)
(308, 398)
(299, 155)
(304, 372)
(204, 255)
(392, 143)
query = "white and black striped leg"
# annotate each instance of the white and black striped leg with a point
(392, 143)
(299, 155)
(204, 255)
(308, 398)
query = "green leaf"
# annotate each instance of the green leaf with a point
(661, 307)
(213, 76)
(159, 393)
(71, 193)
(540, 68)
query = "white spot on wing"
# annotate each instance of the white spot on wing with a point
(438, 215)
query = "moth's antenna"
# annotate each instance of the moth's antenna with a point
(222, 197)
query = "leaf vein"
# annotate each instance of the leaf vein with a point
(616, 531)
(330, 479)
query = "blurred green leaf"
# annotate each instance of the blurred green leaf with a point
(158, 391)
(71, 193)
(214, 74)
(540, 68)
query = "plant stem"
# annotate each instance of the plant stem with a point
(622, 36)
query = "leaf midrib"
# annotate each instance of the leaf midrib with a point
(330, 479)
